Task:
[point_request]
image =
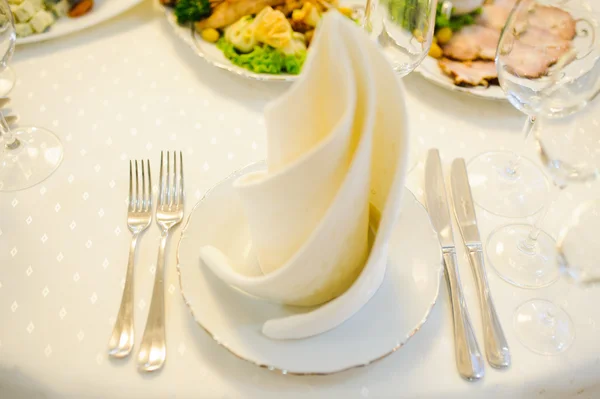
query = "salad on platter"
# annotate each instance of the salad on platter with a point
(269, 37)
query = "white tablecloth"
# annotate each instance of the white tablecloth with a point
(128, 89)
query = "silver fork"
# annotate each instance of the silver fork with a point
(139, 217)
(169, 213)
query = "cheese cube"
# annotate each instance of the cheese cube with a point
(23, 29)
(25, 11)
(61, 8)
(41, 21)
(38, 4)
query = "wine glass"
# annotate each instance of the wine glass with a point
(28, 155)
(549, 70)
(7, 45)
(403, 29)
(578, 244)
(569, 147)
(505, 183)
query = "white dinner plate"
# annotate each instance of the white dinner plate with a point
(430, 70)
(234, 319)
(103, 10)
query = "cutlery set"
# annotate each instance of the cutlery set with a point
(169, 213)
(468, 356)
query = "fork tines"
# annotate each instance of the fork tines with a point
(140, 202)
(171, 183)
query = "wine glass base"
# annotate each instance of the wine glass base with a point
(36, 156)
(543, 327)
(499, 192)
(517, 263)
(7, 81)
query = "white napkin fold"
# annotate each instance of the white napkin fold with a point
(337, 142)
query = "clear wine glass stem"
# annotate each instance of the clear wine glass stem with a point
(528, 127)
(512, 169)
(529, 245)
(9, 139)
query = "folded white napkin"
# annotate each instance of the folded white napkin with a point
(337, 142)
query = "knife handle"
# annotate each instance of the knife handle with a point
(468, 357)
(496, 347)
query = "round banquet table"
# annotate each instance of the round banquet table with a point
(129, 88)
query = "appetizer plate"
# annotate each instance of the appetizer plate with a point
(102, 11)
(430, 70)
(211, 54)
(234, 319)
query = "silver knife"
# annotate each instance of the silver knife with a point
(496, 347)
(468, 357)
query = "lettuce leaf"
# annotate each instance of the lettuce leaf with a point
(455, 22)
(263, 59)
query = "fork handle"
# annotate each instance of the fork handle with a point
(122, 338)
(153, 349)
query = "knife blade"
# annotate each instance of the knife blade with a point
(468, 357)
(496, 347)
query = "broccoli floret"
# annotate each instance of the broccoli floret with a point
(191, 10)
(456, 22)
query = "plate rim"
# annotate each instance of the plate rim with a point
(429, 76)
(279, 370)
(49, 35)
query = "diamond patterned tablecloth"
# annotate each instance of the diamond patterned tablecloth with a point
(129, 88)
